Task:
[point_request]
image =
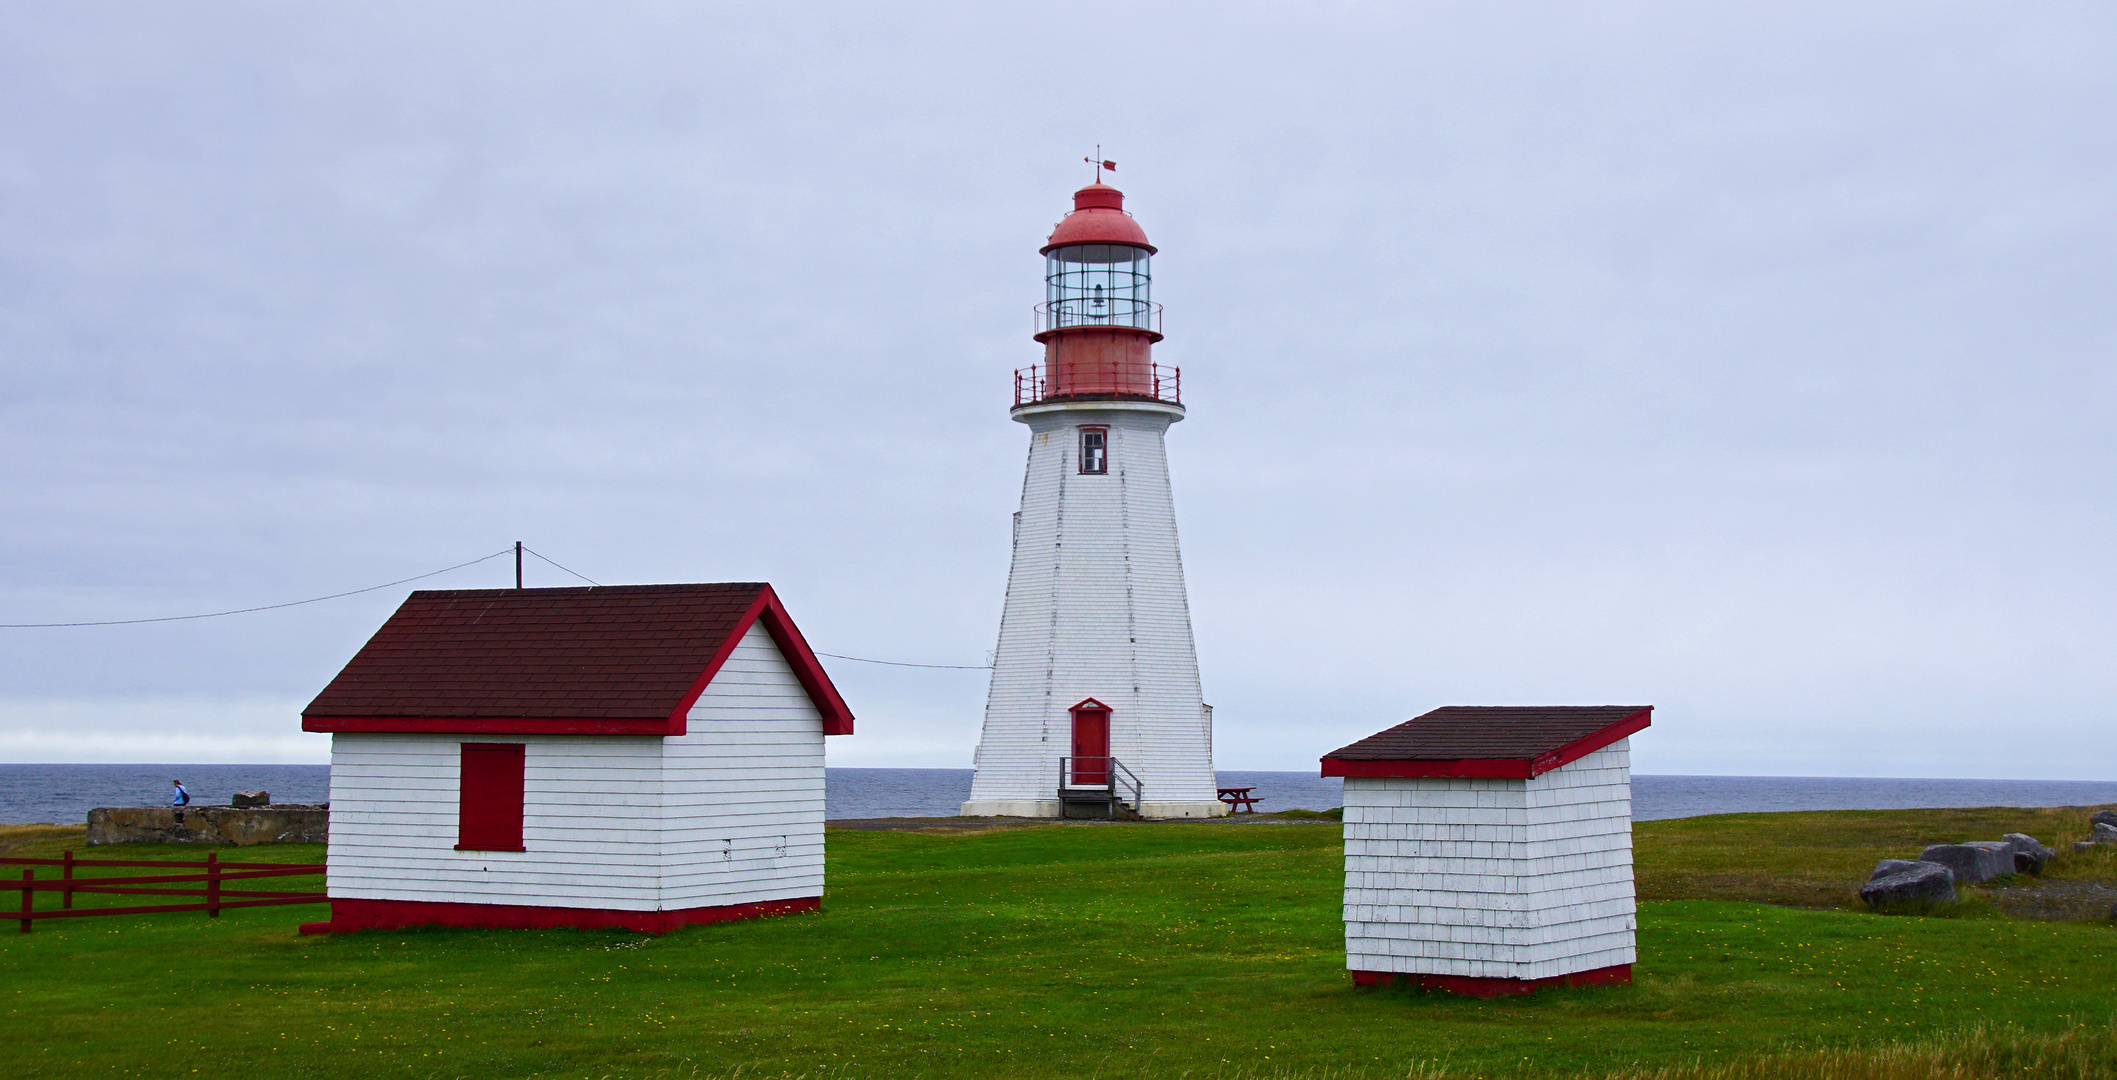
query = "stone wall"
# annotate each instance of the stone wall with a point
(290, 824)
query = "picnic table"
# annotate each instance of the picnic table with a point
(1239, 799)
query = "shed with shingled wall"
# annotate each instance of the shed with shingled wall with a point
(1488, 849)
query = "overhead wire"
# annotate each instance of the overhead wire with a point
(418, 577)
(900, 663)
(575, 573)
(270, 607)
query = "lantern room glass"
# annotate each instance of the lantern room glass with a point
(1098, 285)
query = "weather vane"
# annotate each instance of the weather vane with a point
(1099, 163)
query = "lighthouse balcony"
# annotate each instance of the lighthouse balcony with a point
(1116, 379)
(1100, 312)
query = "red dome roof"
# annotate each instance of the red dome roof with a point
(1098, 217)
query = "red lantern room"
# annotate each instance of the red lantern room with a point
(1098, 322)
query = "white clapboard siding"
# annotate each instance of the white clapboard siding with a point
(729, 813)
(590, 819)
(1096, 608)
(1511, 879)
(744, 788)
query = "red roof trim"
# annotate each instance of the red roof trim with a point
(488, 725)
(1588, 744)
(1496, 768)
(1091, 705)
(680, 717)
(1502, 769)
(837, 716)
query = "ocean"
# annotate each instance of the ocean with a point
(65, 793)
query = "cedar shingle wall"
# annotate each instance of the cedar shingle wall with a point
(1514, 879)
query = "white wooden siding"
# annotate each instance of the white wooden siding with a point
(1096, 607)
(591, 820)
(730, 813)
(743, 789)
(1514, 879)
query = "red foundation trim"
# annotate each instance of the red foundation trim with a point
(349, 916)
(1615, 975)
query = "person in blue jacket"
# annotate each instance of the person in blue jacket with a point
(179, 799)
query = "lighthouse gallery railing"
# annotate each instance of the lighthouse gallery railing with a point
(1033, 384)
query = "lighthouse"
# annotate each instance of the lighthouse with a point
(1095, 708)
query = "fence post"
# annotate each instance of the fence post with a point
(28, 890)
(66, 887)
(213, 885)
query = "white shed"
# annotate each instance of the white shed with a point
(640, 756)
(1488, 850)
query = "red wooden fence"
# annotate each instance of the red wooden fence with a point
(211, 874)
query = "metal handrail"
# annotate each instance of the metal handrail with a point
(1116, 777)
(1085, 311)
(1032, 384)
(1138, 789)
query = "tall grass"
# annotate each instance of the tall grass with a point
(1980, 1053)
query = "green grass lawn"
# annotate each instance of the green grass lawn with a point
(1076, 951)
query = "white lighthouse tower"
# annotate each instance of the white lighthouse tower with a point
(1095, 707)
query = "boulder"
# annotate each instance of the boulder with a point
(2103, 817)
(2105, 833)
(1978, 860)
(2029, 853)
(1893, 866)
(244, 800)
(1928, 882)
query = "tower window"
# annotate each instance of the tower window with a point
(1095, 450)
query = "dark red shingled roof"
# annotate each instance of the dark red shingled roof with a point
(620, 659)
(1488, 740)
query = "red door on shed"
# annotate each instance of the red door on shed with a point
(1091, 744)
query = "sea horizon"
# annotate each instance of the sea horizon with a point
(64, 792)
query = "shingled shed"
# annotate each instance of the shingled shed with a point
(643, 756)
(1488, 849)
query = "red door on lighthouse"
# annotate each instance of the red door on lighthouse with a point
(1091, 744)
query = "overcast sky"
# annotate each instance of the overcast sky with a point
(1748, 360)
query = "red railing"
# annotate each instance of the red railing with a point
(1033, 384)
(211, 873)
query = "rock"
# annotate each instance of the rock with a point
(2105, 833)
(1929, 882)
(1892, 866)
(2103, 817)
(2029, 853)
(243, 800)
(1978, 860)
(2083, 845)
